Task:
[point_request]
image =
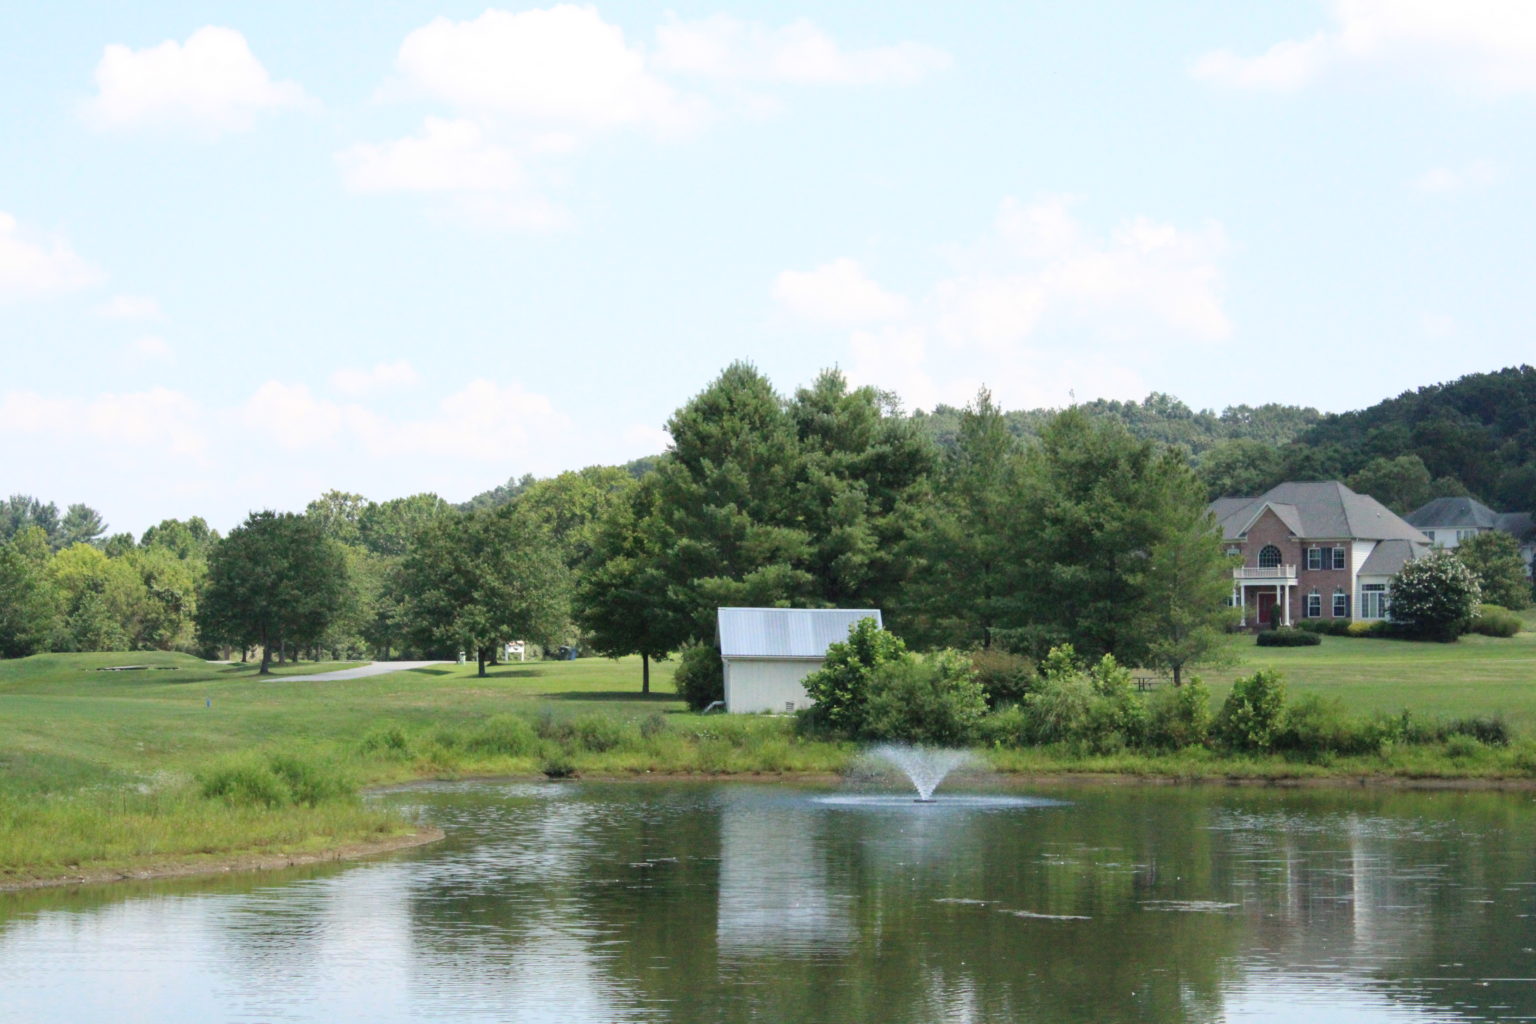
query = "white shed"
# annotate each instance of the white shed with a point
(768, 651)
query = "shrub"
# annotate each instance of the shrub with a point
(1288, 637)
(503, 735)
(842, 684)
(389, 741)
(1314, 625)
(280, 780)
(1253, 712)
(1118, 709)
(1435, 597)
(1493, 620)
(935, 700)
(1004, 676)
(1098, 707)
(601, 733)
(1367, 627)
(700, 678)
(654, 725)
(309, 783)
(1338, 627)
(1180, 716)
(1317, 725)
(1005, 727)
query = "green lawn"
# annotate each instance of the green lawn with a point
(1477, 675)
(111, 768)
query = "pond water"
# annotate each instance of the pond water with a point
(683, 902)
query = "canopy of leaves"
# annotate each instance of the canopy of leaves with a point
(1494, 557)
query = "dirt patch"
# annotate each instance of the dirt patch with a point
(249, 862)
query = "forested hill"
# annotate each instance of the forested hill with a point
(1479, 430)
(1158, 417)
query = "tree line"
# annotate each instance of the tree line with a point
(971, 528)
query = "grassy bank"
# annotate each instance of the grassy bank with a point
(182, 761)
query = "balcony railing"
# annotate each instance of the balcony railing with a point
(1264, 572)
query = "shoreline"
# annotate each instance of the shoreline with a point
(256, 862)
(248, 862)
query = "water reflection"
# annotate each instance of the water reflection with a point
(681, 903)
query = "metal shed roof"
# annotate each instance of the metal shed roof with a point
(786, 632)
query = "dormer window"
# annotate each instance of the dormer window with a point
(1269, 557)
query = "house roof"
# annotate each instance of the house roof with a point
(786, 632)
(1324, 509)
(1388, 557)
(1463, 512)
(1518, 523)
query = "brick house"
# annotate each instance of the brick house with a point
(1313, 550)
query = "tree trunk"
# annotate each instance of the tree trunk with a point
(1176, 680)
(480, 659)
(266, 655)
(645, 673)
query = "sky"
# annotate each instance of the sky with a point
(251, 252)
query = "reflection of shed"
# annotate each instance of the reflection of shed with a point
(768, 651)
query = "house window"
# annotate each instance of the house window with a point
(1269, 558)
(1462, 535)
(1315, 558)
(1373, 600)
(1340, 604)
(1431, 535)
(1314, 605)
(1338, 558)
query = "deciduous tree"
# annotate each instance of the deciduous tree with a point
(1494, 556)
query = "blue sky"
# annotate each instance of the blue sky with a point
(250, 252)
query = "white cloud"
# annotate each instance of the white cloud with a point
(1486, 47)
(131, 307)
(382, 377)
(838, 293)
(1043, 302)
(449, 156)
(724, 47)
(34, 268)
(291, 416)
(212, 83)
(564, 65)
(1443, 180)
(153, 422)
(151, 349)
(485, 422)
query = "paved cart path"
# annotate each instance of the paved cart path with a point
(373, 668)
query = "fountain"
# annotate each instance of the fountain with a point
(925, 767)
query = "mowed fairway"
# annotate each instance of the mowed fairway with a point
(180, 710)
(1477, 675)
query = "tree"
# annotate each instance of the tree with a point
(1239, 468)
(81, 525)
(28, 608)
(484, 577)
(102, 599)
(964, 580)
(571, 507)
(20, 511)
(276, 579)
(1101, 507)
(1402, 484)
(1434, 597)
(388, 528)
(621, 602)
(840, 688)
(192, 539)
(1185, 587)
(339, 514)
(1494, 556)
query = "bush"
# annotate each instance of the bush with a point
(1493, 620)
(1314, 625)
(600, 733)
(935, 700)
(842, 684)
(1253, 712)
(280, 780)
(503, 735)
(1368, 627)
(1099, 708)
(1180, 716)
(388, 741)
(1004, 676)
(1288, 637)
(1435, 597)
(700, 678)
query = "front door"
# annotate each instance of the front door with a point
(1266, 610)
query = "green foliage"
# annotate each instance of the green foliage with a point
(1251, 717)
(1005, 677)
(503, 736)
(1288, 637)
(1180, 716)
(934, 700)
(482, 578)
(1494, 557)
(841, 687)
(1435, 597)
(276, 578)
(1402, 483)
(274, 781)
(1495, 621)
(700, 676)
(1098, 707)
(28, 605)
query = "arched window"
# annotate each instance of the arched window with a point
(1269, 557)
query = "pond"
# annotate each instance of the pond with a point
(684, 902)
